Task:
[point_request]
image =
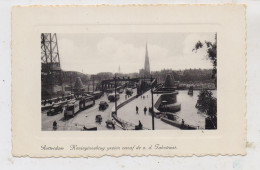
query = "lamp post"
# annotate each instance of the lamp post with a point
(93, 83)
(115, 97)
(152, 110)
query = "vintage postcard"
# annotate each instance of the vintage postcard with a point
(165, 80)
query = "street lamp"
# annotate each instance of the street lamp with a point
(93, 83)
(152, 110)
(115, 97)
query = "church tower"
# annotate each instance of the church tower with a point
(147, 63)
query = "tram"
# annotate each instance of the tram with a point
(74, 106)
(96, 94)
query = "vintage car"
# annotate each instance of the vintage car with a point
(55, 109)
(98, 119)
(113, 97)
(110, 124)
(103, 105)
(129, 92)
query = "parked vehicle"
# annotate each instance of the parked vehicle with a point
(103, 105)
(55, 109)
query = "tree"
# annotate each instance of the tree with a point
(211, 54)
(206, 103)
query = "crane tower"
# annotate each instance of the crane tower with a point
(51, 73)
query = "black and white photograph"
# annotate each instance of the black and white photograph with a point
(93, 81)
(128, 81)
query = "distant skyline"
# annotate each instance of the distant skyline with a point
(94, 53)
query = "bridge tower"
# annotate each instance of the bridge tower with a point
(51, 75)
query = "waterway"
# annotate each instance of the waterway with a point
(189, 113)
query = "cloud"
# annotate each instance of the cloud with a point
(107, 53)
(196, 59)
(115, 53)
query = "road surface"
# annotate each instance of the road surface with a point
(83, 118)
(128, 113)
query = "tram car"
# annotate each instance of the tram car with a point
(86, 102)
(74, 106)
(96, 94)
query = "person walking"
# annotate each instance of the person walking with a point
(113, 124)
(54, 124)
(145, 110)
(140, 125)
(182, 123)
(136, 108)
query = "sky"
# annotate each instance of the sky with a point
(93, 53)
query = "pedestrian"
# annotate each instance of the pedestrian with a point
(140, 125)
(182, 123)
(113, 124)
(99, 120)
(54, 124)
(144, 97)
(136, 108)
(145, 109)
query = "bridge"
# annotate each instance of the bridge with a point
(123, 82)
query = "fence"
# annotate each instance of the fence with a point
(178, 124)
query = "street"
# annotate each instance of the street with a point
(128, 113)
(83, 118)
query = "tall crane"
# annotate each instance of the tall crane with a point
(51, 74)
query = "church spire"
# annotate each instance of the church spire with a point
(147, 63)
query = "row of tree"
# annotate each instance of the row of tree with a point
(187, 75)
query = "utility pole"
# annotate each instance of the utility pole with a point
(115, 97)
(70, 82)
(93, 83)
(152, 109)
